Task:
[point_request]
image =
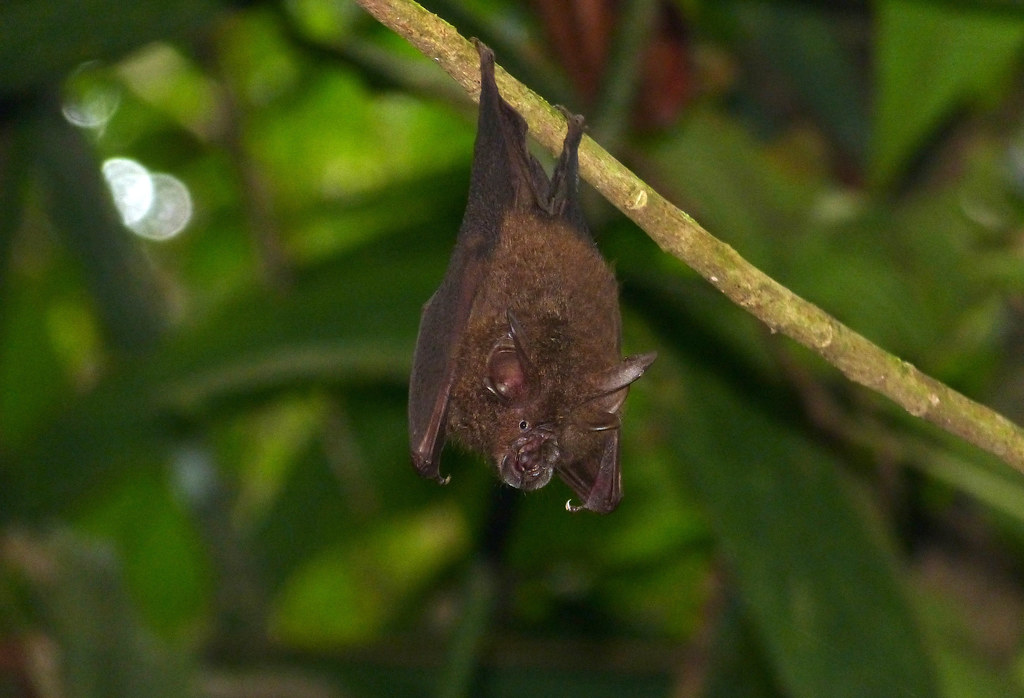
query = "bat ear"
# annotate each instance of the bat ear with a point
(613, 385)
(508, 367)
(601, 412)
(628, 370)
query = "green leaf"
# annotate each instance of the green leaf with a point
(43, 40)
(932, 58)
(15, 158)
(162, 556)
(343, 323)
(818, 582)
(80, 205)
(349, 591)
(737, 665)
(77, 590)
(802, 45)
(30, 370)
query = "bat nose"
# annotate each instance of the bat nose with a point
(529, 464)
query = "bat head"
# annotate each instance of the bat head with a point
(528, 460)
(532, 440)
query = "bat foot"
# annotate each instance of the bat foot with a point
(486, 54)
(575, 123)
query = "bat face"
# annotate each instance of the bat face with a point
(518, 352)
(526, 446)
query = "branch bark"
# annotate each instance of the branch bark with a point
(681, 236)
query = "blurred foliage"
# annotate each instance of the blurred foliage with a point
(204, 479)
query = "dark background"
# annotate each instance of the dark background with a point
(204, 480)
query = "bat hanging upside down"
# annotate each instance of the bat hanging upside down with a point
(518, 354)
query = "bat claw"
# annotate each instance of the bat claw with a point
(573, 120)
(573, 508)
(443, 479)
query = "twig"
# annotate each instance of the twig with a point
(679, 235)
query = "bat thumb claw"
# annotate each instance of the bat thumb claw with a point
(573, 508)
(443, 479)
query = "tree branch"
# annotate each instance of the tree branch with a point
(681, 236)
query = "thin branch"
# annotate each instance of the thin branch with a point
(681, 236)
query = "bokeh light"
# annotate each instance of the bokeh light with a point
(90, 97)
(155, 206)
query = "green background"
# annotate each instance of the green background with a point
(204, 478)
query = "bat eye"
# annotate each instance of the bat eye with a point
(524, 425)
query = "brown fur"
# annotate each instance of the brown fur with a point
(566, 300)
(518, 351)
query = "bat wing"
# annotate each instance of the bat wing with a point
(597, 482)
(442, 325)
(502, 169)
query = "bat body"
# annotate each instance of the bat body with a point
(518, 354)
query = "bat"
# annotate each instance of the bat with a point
(518, 353)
